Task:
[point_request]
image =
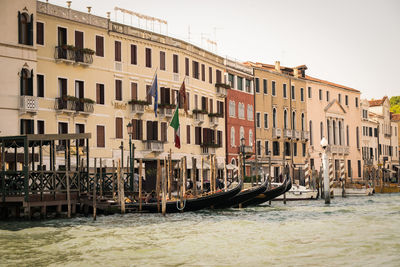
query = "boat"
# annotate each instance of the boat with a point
(243, 196)
(270, 193)
(298, 192)
(190, 204)
(353, 192)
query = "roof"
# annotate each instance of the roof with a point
(379, 102)
(396, 117)
(331, 83)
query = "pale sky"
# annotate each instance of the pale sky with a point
(351, 42)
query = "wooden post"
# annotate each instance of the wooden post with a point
(121, 183)
(94, 189)
(158, 184)
(164, 188)
(202, 175)
(169, 174)
(68, 185)
(140, 184)
(184, 175)
(225, 177)
(101, 178)
(181, 185)
(215, 173)
(113, 180)
(193, 176)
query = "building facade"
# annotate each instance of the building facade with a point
(369, 137)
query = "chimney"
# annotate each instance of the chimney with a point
(278, 66)
(296, 72)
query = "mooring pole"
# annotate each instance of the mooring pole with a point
(94, 189)
(325, 165)
(164, 188)
(140, 184)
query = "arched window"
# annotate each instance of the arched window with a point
(250, 137)
(328, 130)
(321, 127)
(340, 133)
(26, 82)
(302, 122)
(311, 133)
(233, 161)
(285, 119)
(347, 135)
(241, 133)
(25, 29)
(274, 118)
(232, 136)
(294, 120)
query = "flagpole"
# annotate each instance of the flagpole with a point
(152, 81)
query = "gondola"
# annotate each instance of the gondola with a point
(270, 194)
(243, 196)
(190, 204)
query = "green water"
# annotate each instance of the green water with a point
(362, 231)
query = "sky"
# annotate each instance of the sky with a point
(351, 42)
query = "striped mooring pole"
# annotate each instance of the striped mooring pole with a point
(343, 177)
(307, 174)
(331, 177)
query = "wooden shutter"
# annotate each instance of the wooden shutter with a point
(211, 106)
(175, 64)
(30, 31)
(210, 74)
(188, 134)
(162, 60)
(148, 96)
(218, 74)
(133, 54)
(162, 91)
(39, 33)
(149, 128)
(134, 91)
(206, 101)
(40, 85)
(98, 97)
(148, 57)
(205, 135)
(187, 66)
(203, 72)
(78, 39)
(118, 90)
(164, 131)
(19, 28)
(197, 135)
(140, 129)
(100, 136)
(117, 51)
(118, 128)
(155, 130)
(99, 46)
(219, 138)
(167, 96)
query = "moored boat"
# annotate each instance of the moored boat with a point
(298, 192)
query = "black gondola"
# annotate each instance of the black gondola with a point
(190, 204)
(243, 196)
(270, 194)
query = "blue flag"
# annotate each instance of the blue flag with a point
(154, 93)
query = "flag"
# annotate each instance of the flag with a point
(154, 93)
(182, 93)
(175, 124)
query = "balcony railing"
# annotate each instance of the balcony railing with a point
(221, 89)
(336, 149)
(305, 135)
(137, 109)
(65, 105)
(68, 53)
(154, 145)
(276, 133)
(29, 104)
(287, 133)
(198, 118)
(65, 54)
(296, 134)
(166, 111)
(83, 107)
(214, 121)
(368, 162)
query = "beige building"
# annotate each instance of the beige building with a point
(369, 136)
(84, 73)
(334, 113)
(281, 116)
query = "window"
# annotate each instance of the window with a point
(25, 28)
(327, 95)
(241, 133)
(309, 92)
(248, 86)
(320, 94)
(250, 137)
(62, 127)
(265, 86)
(265, 120)
(219, 138)
(187, 66)
(358, 137)
(62, 36)
(152, 130)
(250, 112)
(303, 125)
(79, 89)
(257, 85)
(175, 62)
(232, 136)
(266, 147)
(284, 93)
(340, 98)
(80, 128)
(118, 90)
(241, 110)
(134, 92)
(40, 85)
(100, 93)
(79, 41)
(27, 126)
(211, 106)
(359, 167)
(62, 87)
(39, 33)
(218, 75)
(203, 72)
(239, 83)
(275, 148)
(295, 149)
(294, 120)
(162, 60)
(356, 99)
(273, 89)
(99, 46)
(274, 118)
(304, 149)
(195, 70)
(137, 129)
(302, 94)
(293, 93)
(164, 132)
(148, 57)
(117, 45)
(100, 133)
(40, 127)
(285, 119)
(258, 147)
(258, 120)
(347, 135)
(210, 75)
(133, 54)
(286, 147)
(187, 134)
(346, 100)
(118, 128)
(220, 108)
(321, 128)
(232, 108)
(26, 82)
(311, 133)
(231, 80)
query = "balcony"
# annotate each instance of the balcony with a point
(214, 120)
(138, 106)
(296, 134)
(287, 133)
(208, 150)
(65, 105)
(84, 108)
(336, 149)
(198, 117)
(368, 162)
(221, 89)
(154, 146)
(247, 149)
(166, 110)
(305, 135)
(276, 133)
(70, 104)
(70, 54)
(29, 104)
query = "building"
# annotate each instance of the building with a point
(369, 137)
(396, 126)
(239, 111)
(334, 113)
(75, 72)
(280, 117)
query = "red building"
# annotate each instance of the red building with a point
(239, 110)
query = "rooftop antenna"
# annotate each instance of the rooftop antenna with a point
(141, 16)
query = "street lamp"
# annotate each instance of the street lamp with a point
(131, 151)
(324, 144)
(242, 145)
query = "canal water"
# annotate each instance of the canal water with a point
(363, 231)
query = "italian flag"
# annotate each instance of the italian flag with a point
(175, 124)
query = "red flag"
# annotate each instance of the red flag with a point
(182, 93)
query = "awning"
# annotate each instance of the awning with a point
(231, 166)
(397, 166)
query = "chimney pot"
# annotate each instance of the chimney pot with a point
(278, 66)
